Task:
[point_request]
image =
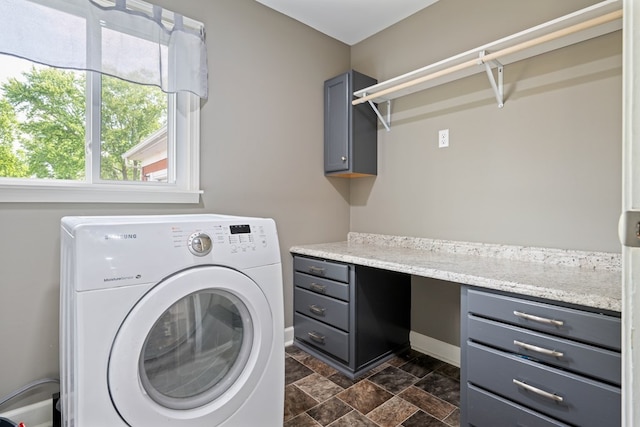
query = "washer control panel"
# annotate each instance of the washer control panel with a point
(199, 244)
(234, 238)
(244, 238)
(111, 249)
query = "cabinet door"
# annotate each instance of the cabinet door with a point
(559, 394)
(337, 111)
(488, 410)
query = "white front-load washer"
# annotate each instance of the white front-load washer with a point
(171, 321)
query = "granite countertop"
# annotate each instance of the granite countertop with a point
(590, 279)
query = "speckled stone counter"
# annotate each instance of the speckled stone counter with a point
(591, 279)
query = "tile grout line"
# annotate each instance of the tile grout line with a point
(419, 364)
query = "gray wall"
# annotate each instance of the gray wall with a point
(261, 155)
(543, 171)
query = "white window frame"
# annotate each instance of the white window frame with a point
(183, 144)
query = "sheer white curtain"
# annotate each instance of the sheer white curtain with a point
(129, 39)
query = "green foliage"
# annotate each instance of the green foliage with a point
(52, 104)
(10, 164)
(8, 122)
(130, 113)
(44, 114)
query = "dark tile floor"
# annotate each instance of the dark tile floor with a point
(409, 391)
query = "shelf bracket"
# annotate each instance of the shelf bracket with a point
(384, 122)
(498, 88)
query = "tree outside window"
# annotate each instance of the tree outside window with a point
(43, 124)
(114, 117)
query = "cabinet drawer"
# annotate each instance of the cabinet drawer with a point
(321, 336)
(325, 309)
(329, 270)
(598, 329)
(571, 355)
(488, 410)
(322, 286)
(570, 398)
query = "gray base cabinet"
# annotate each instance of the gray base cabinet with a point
(536, 363)
(349, 316)
(350, 132)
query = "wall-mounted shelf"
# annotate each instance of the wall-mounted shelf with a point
(594, 21)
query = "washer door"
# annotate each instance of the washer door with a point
(192, 350)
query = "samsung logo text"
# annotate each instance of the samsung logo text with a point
(120, 236)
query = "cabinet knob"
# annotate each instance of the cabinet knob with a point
(543, 320)
(537, 349)
(316, 337)
(538, 391)
(344, 158)
(318, 311)
(316, 270)
(318, 288)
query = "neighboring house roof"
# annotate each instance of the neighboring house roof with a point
(149, 149)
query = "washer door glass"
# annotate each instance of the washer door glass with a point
(196, 350)
(192, 349)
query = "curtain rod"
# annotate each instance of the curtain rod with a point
(612, 16)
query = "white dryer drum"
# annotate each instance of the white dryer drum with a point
(191, 350)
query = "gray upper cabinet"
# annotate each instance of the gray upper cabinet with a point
(350, 132)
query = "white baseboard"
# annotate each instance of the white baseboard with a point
(422, 343)
(288, 336)
(35, 415)
(435, 348)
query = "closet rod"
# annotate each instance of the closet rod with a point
(612, 16)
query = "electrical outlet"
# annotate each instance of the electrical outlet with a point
(443, 138)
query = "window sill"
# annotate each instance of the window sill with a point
(94, 193)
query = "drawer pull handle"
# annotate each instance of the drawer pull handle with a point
(317, 310)
(537, 349)
(543, 320)
(539, 392)
(318, 288)
(316, 337)
(316, 270)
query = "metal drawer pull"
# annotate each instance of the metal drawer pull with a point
(537, 349)
(317, 310)
(544, 320)
(316, 337)
(539, 392)
(316, 270)
(318, 288)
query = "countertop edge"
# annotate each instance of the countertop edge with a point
(565, 257)
(348, 253)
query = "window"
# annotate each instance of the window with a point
(76, 133)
